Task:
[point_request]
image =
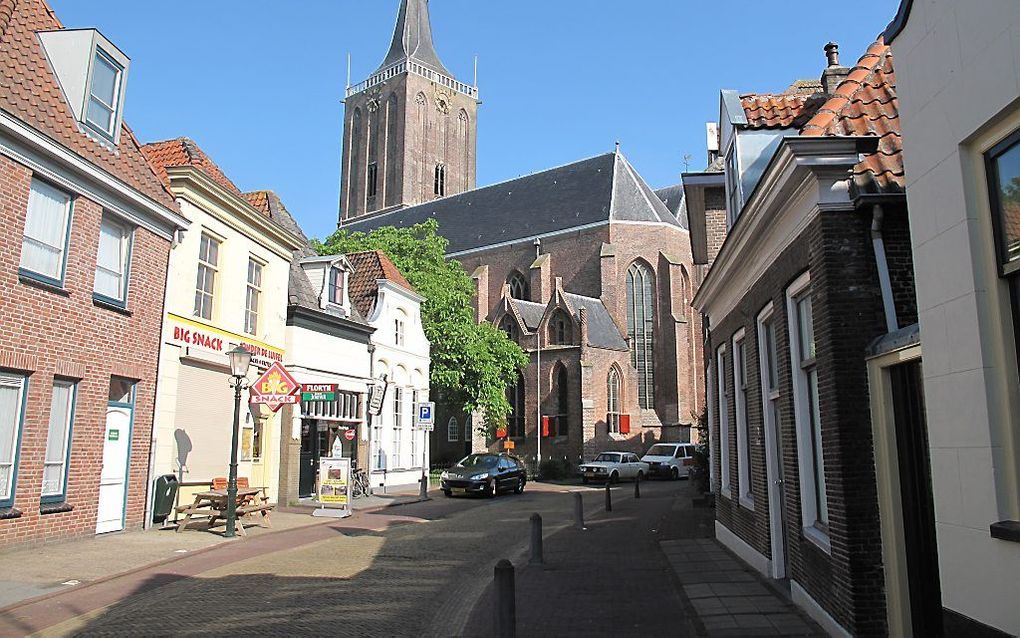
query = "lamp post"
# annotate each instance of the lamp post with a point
(240, 359)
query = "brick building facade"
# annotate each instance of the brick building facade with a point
(82, 279)
(815, 267)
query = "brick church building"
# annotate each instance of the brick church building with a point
(584, 265)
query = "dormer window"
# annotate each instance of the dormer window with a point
(104, 93)
(732, 185)
(336, 286)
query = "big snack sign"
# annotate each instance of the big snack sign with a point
(275, 388)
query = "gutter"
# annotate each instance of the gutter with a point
(892, 323)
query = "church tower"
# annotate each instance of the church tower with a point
(409, 129)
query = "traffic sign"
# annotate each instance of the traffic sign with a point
(425, 416)
(275, 388)
(349, 435)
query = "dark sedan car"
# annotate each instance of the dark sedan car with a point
(486, 474)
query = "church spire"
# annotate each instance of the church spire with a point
(412, 38)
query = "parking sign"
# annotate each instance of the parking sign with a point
(425, 416)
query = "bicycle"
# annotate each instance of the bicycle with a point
(359, 483)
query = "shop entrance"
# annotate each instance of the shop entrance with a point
(317, 439)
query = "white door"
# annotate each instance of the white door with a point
(113, 481)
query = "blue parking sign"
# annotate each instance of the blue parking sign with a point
(425, 415)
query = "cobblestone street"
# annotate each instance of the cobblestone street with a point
(422, 569)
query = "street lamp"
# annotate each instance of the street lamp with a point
(240, 359)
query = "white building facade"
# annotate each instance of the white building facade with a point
(958, 70)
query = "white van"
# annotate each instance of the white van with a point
(670, 460)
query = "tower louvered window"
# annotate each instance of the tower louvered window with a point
(640, 326)
(440, 184)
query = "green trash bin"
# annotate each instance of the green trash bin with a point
(163, 497)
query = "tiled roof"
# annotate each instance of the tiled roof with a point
(369, 268)
(596, 190)
(30, 92)
(785, 110)
(259, 201)
(183, 151)
(865, 104)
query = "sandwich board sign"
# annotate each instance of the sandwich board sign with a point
(334, 491)
(425, 416)
(275, 388)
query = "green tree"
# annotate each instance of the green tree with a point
(472, 364)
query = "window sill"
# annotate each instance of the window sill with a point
(8, 513)
(725, 492)
(747, 503)
(103, 302)
(819, 538)
(55, 508)
(36, 281)
(1006, 531)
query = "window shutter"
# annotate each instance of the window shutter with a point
(501, 433)
(624, 424)
(545, 426)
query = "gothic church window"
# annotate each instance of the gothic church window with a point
(640, 326)
(561, 332)
(373, 177)
(518, 286)
(613, 389)
(440, 184)
(515, 422)
(509, 326)
(561, 422)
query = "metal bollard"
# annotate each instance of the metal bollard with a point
(578, 510)
(536, 540)
(506, 600)
(423, 493)
(609, 498)
(637, 486)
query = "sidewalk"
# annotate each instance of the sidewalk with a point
(649, 567)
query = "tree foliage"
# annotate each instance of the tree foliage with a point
(472, 364)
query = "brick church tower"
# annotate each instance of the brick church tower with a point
(410, 128)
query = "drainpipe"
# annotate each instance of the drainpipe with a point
(892, 324)
(368, 413)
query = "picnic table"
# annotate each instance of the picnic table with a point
(212, 504)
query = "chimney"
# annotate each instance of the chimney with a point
(834, 73)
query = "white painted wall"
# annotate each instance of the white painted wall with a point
(958, 80)
(408, 368)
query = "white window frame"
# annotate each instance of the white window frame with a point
(745, 495)
(10, 465)
(769, 402)
(212, 268)
(127, 240)
(64, 429)
(614, 393)
(251, 317)
(114, 108)
(400, 329)
(336, 289)
(724, 422)
(815, 527)
(452, 430)
(39, 186)
(713, 467)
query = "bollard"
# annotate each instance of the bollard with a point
(609, 498)
(637, 486)
(578, 510)
(506, 600)
(423, 493)
(536, 540)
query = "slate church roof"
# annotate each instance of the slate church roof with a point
(602, 330)
(673, 198)
(591, 192)
(412, 38)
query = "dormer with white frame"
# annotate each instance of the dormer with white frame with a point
(330, 276)
(92, 73)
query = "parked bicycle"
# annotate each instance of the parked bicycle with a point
(359, 483)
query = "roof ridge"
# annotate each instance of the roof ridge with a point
(847, 89)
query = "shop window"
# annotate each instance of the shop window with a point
(112, 261)
(814, 502)
(12, 416)
(251, 438)
(58, 441)
(205, 285)
(743, 427)
(47, 227)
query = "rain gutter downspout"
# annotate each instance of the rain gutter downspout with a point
(892, 323)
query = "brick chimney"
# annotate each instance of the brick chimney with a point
(834, 72)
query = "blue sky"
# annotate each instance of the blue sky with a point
(259, 83)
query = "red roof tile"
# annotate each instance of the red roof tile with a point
(370, 267)
(260, 202)
(865, 104)
(30, 92)
(185, 152)
(785, 110)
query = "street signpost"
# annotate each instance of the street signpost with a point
(318, 392)
(275, 388)
(425, 416)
